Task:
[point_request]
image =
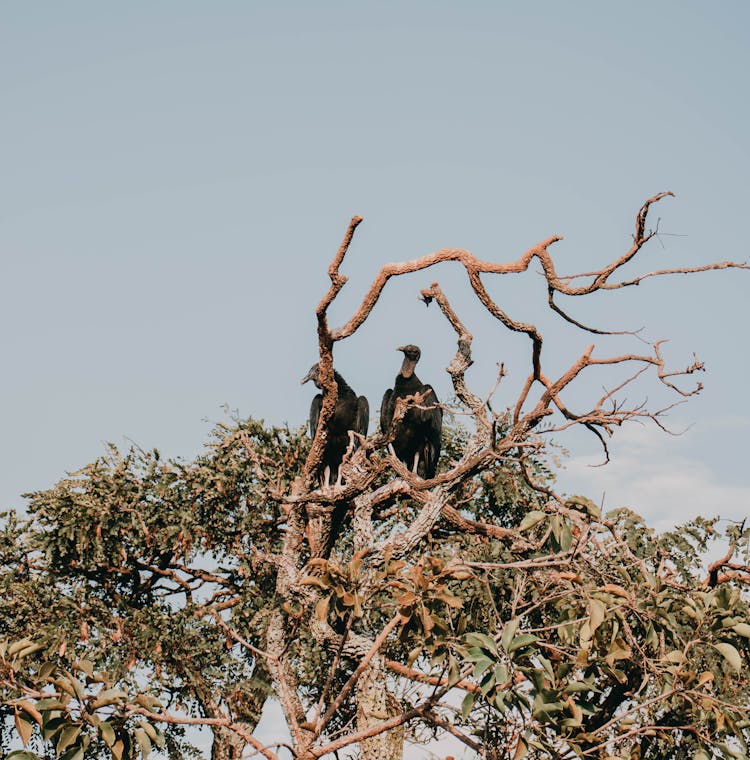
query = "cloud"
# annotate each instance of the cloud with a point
(659, 478)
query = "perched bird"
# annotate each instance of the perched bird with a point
(417, 439)
(352, 412)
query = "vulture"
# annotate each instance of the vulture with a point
(352, 412)
(417, 439)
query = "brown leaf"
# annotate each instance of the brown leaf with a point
(23, 727)
(31, 710)
(613, 588)
(321, 609)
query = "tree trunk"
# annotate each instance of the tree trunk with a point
(226, 745)
(247, 705)
(376, 704)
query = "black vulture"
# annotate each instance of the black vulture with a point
(351, 413)
(417, 439)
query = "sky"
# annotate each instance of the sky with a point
(175, 178)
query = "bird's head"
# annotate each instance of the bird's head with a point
(312, 375)
(411, 357)
(411, 352)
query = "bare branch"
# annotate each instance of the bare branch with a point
(325, 347)
(217, 722)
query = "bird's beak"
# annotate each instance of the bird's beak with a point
(400, 348)
(308, 376)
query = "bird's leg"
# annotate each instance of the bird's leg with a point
(415, 467)
(327, 477)
(338, 478)
(391, 450)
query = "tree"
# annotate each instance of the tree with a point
(144, 595)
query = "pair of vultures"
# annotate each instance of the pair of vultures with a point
(416, 439)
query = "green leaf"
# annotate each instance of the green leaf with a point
(509, 632)
(583, 504)
(107, 732)
(556, 525)
(501, 674)
(584, 634)
(67, 736)
(575, 686)
(488, 684)
(454, 674)
(159, 739)
(731, 655)
(547, 665)
(597, 613)
(73, 684)
(565, 538)
(482, 640)
(522, 641)
(50, 704)
(108, 697)
(150, 702)
(74, 753)
(731, 753)
(467, 704)
(531, 519)
(52, 725)
(481, 665)
(143, 741)
(542, 708)
(47, 669)
(570, 722)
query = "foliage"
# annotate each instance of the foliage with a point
(123, 566)
(127, 592)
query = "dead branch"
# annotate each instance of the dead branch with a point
(416, 675)
(325, 346)
(432, 717)
(462, 360)
(363, 466)
(242, 732)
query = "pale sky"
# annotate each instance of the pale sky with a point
(176, 176)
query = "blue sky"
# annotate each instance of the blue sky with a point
(175, 177)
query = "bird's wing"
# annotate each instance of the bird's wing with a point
(315, 407)
(386, 411)
(363, 416)
(433, 419)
